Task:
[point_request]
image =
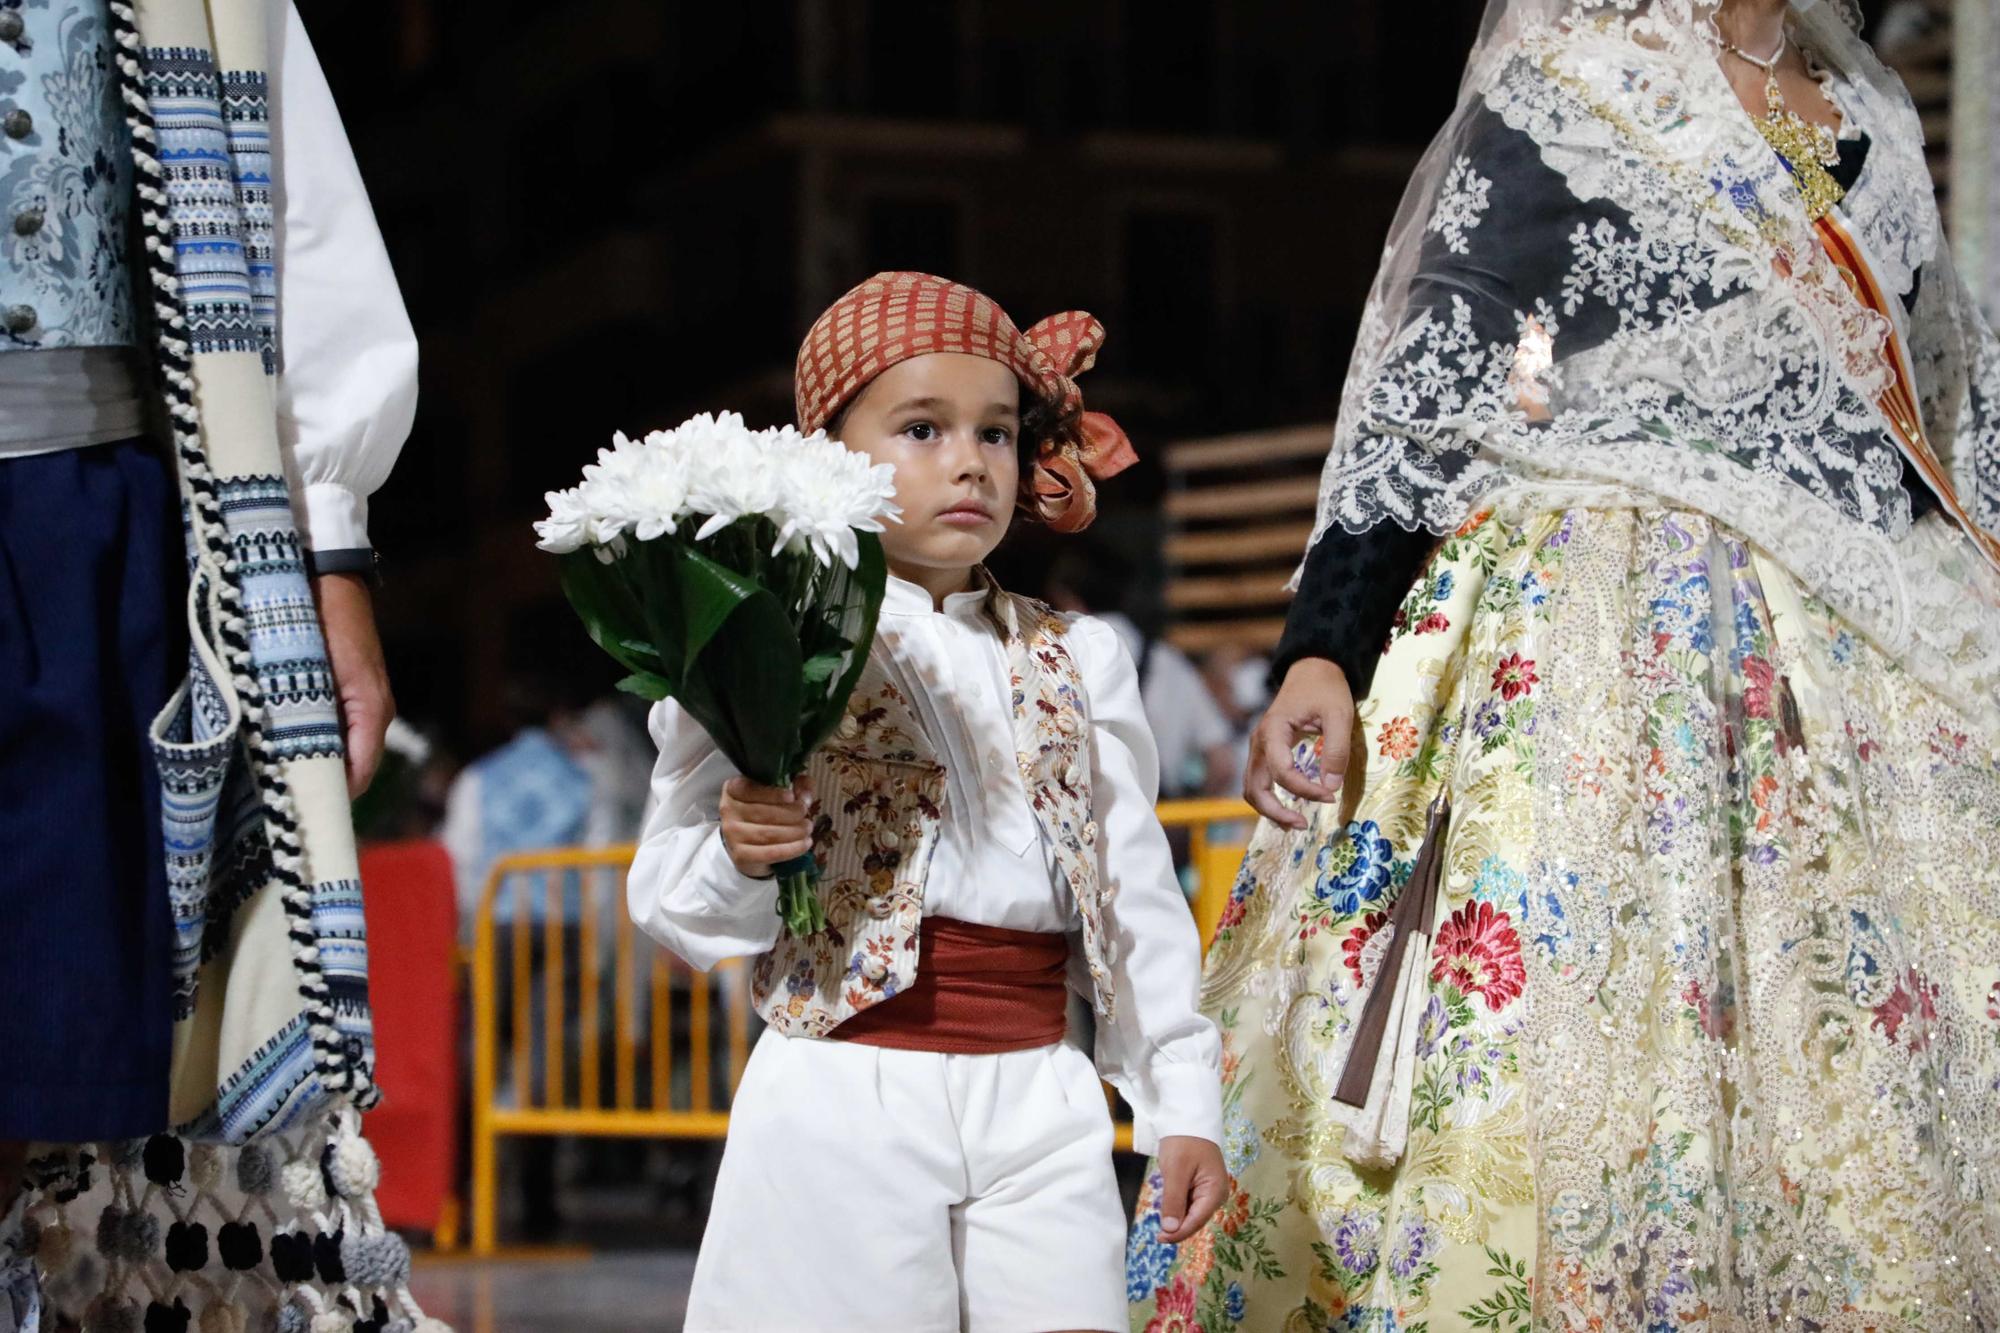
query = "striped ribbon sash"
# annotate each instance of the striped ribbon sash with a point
(1899, 401)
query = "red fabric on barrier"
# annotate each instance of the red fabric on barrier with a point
(411, 900)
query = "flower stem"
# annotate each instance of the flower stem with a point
(798, 900)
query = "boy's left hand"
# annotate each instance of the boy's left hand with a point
(1193, 1183)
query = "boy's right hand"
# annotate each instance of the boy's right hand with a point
(763, 826)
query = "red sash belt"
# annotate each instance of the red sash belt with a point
(979, 990)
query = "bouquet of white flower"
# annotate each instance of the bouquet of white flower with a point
(738, 573)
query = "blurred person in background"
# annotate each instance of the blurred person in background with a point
(407, 798)
(1236, 680)
(574, 774)
(1196, 742)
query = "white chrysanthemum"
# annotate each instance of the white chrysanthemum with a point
(603, 506)
(731, 472)
(616, 466)
(567, 527)
(651, 498)
(636, 488)
(602, 493)
(828, 494)
(811, 488)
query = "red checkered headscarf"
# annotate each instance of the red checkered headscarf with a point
(895, 316)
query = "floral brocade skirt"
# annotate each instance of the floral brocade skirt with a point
(1710, 1036)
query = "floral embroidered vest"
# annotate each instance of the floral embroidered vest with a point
(881, 789)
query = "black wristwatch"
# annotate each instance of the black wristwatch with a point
(363, 560)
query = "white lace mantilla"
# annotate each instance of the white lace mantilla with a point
(1603, 280)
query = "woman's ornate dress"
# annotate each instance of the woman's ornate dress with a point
(1679, 491)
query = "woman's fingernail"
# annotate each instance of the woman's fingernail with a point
(1170, 1224)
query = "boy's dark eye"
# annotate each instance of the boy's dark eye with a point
(999, 435)
(922, 431)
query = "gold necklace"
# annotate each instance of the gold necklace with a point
(1808, 148)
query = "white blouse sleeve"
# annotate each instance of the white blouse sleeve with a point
(347, 382)
(1159, 1050)
(684, 891)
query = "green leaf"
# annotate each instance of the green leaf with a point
(863, 587)
(688, 626)
(819, 669)
(611, 610)
(1507, 1310)
(711, 593)
(742, 665)
(646, 685)
(1330, 1268)
(1428, 1102)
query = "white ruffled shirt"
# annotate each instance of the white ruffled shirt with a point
(347, 386)
(990, 867)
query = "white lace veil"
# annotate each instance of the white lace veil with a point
(1602, 287)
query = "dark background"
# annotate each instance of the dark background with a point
(610, 214)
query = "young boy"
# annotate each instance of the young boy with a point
(916, 1144)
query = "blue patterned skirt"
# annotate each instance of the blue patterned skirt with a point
(91, 582)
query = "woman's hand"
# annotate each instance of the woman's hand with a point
(762, 826)
(1193, 1184)
(1313, 699)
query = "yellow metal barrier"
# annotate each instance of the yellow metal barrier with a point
(1215, 859)
(568, 939)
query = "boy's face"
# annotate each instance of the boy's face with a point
(949, 423)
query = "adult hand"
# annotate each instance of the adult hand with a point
(1193, 1183)
(360, 676)
(1313, 699)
